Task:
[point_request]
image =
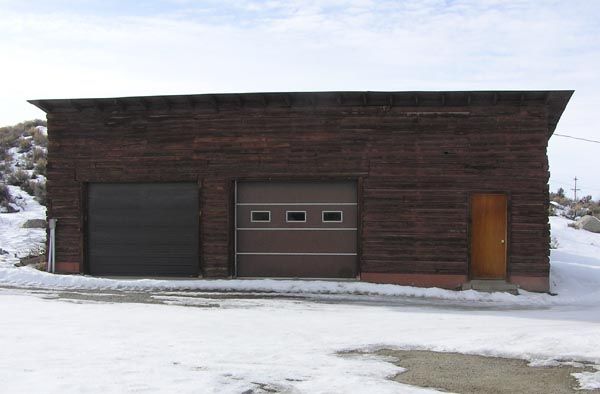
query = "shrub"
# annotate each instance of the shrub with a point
(40, 138)
(28, 163)
(5, 197)
(38, 190)
(24, 145)
(18, 178)
(28, 187)
(40, 166)
(38, 153)
(36, 160)
(4, 167)
(4, 153)
(596, 211)
(10, 135)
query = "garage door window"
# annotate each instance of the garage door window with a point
(331, 216)
(295, 216)
(260, 216)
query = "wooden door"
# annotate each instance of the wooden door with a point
(488, 236)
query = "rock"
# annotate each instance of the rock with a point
(2, 251)
(30, 260)
(589, 223)
(35, 223)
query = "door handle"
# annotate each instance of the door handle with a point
(501, 241)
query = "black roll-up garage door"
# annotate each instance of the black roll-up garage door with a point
(145, 229)
(296, 229)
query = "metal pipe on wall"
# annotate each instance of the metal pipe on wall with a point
(52, 246)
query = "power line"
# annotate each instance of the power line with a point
(577, 138)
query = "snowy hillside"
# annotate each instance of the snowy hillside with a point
(23, 153)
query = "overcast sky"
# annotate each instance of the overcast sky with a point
(99, 48)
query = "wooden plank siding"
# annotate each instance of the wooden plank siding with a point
(418, 157)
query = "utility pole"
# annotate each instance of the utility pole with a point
(575, 190)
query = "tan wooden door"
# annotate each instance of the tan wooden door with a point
(488, 236)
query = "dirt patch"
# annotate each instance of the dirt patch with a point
(461, 373)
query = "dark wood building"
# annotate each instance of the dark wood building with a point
(415, 188)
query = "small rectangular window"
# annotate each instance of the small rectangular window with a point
(295, 216)
(332, 216)
(260, 216)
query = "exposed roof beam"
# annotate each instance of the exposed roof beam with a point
(98, 104)
(120, 104)
(212, 99)
(144, 103)
(75, 105)
(167, 102)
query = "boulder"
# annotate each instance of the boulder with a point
(35, 223)
(30, 260)
(589, 223)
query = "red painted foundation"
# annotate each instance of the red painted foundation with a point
(67, 267)
(452, 282)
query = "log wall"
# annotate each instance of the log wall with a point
(417, 164)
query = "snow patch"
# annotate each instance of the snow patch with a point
(15, 239)
(42, 129)
(588, 380)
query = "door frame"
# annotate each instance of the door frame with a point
(358, 180)
(508, 196)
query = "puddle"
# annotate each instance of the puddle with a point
(466, 374)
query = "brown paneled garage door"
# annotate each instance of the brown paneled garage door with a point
(296, 229)
(146, 229)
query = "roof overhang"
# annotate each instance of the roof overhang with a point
(555, 101)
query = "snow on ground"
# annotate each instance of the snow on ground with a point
(214, 344)
(231, 346)
(15, 239)
(575, 264)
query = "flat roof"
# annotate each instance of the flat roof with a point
(555, 100)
